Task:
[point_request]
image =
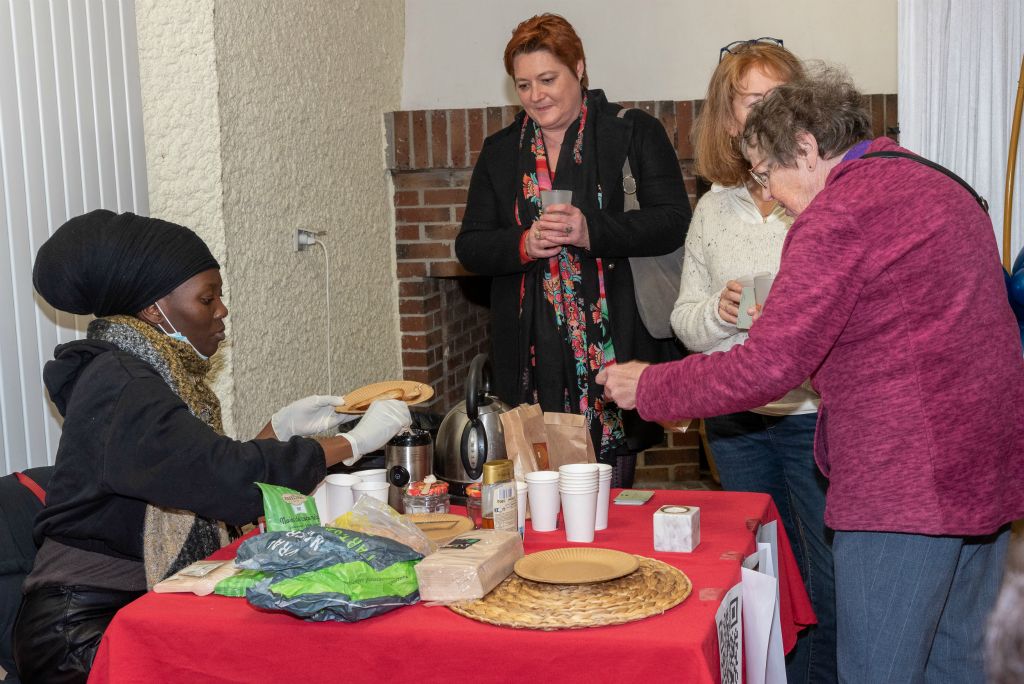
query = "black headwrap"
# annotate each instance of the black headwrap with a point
(103, 263)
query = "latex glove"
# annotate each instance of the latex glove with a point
(309, 416)
(381, 422)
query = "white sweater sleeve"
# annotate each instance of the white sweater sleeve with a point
(695, 319)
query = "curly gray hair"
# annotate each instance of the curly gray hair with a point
(824, 103)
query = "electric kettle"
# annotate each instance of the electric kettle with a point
(471, 433)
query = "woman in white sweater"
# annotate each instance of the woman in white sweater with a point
(735, 233)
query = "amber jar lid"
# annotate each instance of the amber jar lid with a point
(473, 490)
(498, 470)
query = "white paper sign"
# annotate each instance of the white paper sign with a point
(769, 533)
(762, 630)
(729, 619)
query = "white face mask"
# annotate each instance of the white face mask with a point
(175, 335)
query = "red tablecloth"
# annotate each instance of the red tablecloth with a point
(184, 638)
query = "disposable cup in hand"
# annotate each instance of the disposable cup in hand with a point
(762, 286)
(544, 500)
(551, 197)
(604, 488)
(579, 512)
(339, 494)
(747, 301)
(378, 490)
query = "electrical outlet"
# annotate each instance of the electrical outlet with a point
(303, 239)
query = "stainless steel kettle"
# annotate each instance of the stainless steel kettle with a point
(471, 433)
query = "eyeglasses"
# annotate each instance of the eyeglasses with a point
(761, 178)
(739, 45)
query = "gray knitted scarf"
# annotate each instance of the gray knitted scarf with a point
(172, 538)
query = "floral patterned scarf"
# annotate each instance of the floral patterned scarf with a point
(564, 322)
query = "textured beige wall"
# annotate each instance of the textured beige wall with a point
(178, 71)
(303, 89)
(266, 116)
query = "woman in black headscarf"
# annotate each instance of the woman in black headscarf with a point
(145, 480)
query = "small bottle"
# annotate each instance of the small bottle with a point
(500, 499)
(473, 504)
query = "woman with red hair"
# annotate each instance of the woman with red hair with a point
(562, 297)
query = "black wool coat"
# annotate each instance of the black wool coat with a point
(488, 242)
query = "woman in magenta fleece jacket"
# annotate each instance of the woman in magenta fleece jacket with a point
(890, 297)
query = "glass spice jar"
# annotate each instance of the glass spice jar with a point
(473, 504)
(428, 496)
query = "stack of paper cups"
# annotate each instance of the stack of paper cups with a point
(604, 482)
(542, 488)
(578, 486)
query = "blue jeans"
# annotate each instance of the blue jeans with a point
(775, 455)
(912, 608)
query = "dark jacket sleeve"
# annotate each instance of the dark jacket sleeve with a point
(660, 225)
(157, 451)
(488, 243)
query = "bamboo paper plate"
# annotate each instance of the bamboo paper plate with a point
(576, 565)
(652, 589)
(440, 527)
(412, 393)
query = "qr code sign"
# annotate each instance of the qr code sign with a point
(730, 641)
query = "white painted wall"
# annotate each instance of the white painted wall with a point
(639, 49)
(261, 117)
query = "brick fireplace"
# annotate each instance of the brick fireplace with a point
(443, 307)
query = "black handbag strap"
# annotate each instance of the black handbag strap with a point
(982, 202)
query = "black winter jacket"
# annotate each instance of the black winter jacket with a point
(128, 440)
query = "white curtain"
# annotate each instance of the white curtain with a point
(959, 62)
(70, 141)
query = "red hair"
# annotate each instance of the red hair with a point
(716, 153)
(547, 32)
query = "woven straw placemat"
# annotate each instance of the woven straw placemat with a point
(650, 590)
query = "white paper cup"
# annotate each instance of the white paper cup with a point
(577, 469)
(375, 475)
(521, 492)
(747, 300)
(584, 486)
(544, 504)
(320, 497)
(545, 476)
(579, 511)
(339, 494)
(550, 197)
(762, 286)
(604, 488)
(378, 490)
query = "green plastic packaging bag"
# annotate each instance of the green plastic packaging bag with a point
(286, 510)
(236, 585)
(330, 574)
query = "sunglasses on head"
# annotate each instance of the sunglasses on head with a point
(738, 45)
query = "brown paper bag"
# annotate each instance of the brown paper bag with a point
(568, 440)
(523, 427)
(537, 436)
